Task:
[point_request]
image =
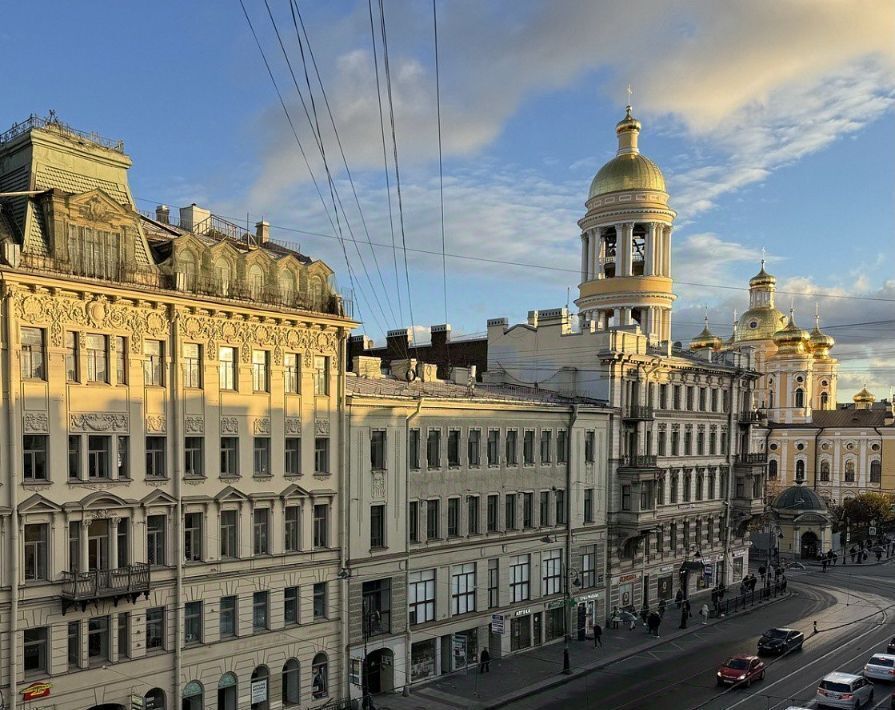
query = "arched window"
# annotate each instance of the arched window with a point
(320, 676)
(155, 698)
(224, 276)
(228, 692)
(876, 471)
(771, 396)
(291, 678)
(187, 266)
(287, 286)
(800, 470)
(772, 469)
(800, 397)
(825, 471)
(316, 291)
(256, 281)
(824, 399)
(192, 696)
(260, 688)
(850, 471)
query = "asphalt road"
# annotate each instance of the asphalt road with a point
(854, 608)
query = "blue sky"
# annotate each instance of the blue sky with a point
(773, 122)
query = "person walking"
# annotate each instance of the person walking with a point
(783, 582)
(823, 564)
(653, 621)
(598, 636)
(704, 613)
(683, 618)
(485, 661)
(661, 608)
(679, 598)
(852, 552)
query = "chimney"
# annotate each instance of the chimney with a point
(163, 214)
(369, 367)
(192, 217)
(397, 343)
(441, 335)
(358, 345)
(262, 232)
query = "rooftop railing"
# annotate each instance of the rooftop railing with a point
(52, 123)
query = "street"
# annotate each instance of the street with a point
(851, 606)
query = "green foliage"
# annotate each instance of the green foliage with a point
(868, 507)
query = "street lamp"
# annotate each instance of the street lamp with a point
(572, 577)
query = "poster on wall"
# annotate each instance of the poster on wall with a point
(625, 596)
(666, 586)
(458, 644)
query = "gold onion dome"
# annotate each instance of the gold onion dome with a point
(705, 339)
(820, 341)
(864, 396)
(629, 169)
(791, 334)
(763, 278)
(760, 323)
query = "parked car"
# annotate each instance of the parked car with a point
(779, 641)
(844, 690)
(891, 647)
(881, 666)
(741, 670)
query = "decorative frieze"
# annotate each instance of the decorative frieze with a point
(293, 425)
(229, 425)
(321, 426)
(156, 424)
(194, 425)
(36, 423)
(98, 421)
(378, 485)
(261, 425)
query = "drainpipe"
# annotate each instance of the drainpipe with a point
(573, 417)
(12, 431)
(176, 395)
(733, 406)
(407, 637)
(606, 562)
(816, 454)
(344, 498)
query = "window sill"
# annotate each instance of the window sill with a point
(379, 548)
(194, 477)
(262, 476)
(36, 482)
(293, 475)
(157, 479)
(94, 383)
(229, 477)
(321, 474)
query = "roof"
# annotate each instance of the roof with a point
(631, 171)
(844, 418)
(391, 387)
(799, 497)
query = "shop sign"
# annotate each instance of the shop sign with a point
(666, 568)
(497, 624)
(458, 643)
(522, 612)
(709, 573)
(36, 690)
(588, 597)
(259, 691)
(627, 578)
(664, 586)
(355, 671)
(555, 604)
(137, 703)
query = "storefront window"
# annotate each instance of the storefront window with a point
(556, 623)
(422, 660)
(520, 633)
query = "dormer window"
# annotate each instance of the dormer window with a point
(94, 253)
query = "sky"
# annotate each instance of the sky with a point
(773, 122)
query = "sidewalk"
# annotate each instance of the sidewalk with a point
(522, 674)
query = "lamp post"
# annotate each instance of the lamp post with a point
(571, 578)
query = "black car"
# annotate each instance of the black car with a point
(891, 647)
(779, 641)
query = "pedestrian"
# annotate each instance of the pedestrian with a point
(835, 557)
(661, 608)
(615, 618)
(715, 604)
(678, 598)
(752, 583)
(485, 661)
(879, 554)
(704, 613)
(823, 564)
(852, 552)
(654, 620)
(783, 583)
(598, 636)
(644, 613)
(687, 608)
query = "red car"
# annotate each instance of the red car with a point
(741, 670)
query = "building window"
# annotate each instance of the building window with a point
(156, 455)
(291, 381)
(688, 443)
(377, 526)
(377, 606)
(34, 651)
(153, 363)
(98, 453)
(377, 449)
(473, 447)
(290, 606)
(545, 446)
(772, 470)
(35, 457)
(123, 533)
(320, 601)
(291, 683)
(227, 619)
(321, 375)
(562, 446)
(700, 479)
(453, 515)
(740, 487)
(33, 354)
(230, 456)
(520, 582)
(433, 515)
(589, 446)
(74, 645)
(544, 511)
(800, 470)
(453, 448)
(510, 511)
(320, 676)
(413, 521)
(71, 356)
(463, 588)
(421, 596)
(493, 447)
(800, 397)
(74, 457)
(194, 461)
(472, 515)
(97, 359)
(559, 498)
(192, 537)
(688, 488)
(493, 503)
(512, 447)
(260, 605)
(192, 622)
(528, 448)
(120, 360)
(192, 365)
(824, 400)
(36, 552)
(626, 497)
(261, 531)
(850, 471)
(875, 471)
(700, 443)
(713, 442)
(98, 640)
(292, 529)
(321, 455)
(433, 449)
(321, 525)
(227, 368)
(155, 629)
(123, 468)
(229, 534)
(528, 510)
(413, 449)
(156, 527)
(259, 370)
(588, 567)
(551, 571)
(589, 505)
(702, 399)
(261, 456)
(493, 583)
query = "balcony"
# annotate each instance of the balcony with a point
(635, 468)
(754, 459)
(750, 417)
(81, 588)
(639, 413)
(748, 507)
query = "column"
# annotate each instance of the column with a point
(666, 249)
(585, 244)
(591, 255)
(650, 251)
(276, 535)
(113, 542)
(625, 246)
(85, 555)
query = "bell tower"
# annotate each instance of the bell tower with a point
(626, 243)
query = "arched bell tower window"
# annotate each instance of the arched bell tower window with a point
(800, 470)
(800, 397)
(850, 471)
(825, 471)
(824, 400)
(876, 471)
(772, 469)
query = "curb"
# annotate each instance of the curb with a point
(578, 673)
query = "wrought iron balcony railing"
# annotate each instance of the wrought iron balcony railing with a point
(85, 587)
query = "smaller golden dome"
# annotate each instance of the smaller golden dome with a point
(628, 170)
(791, 334)
(864, 396)
(820, 341)
(763, 278)
(705, 339)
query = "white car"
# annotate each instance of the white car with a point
(881, 666)
(844, 690)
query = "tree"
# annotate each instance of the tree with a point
(869, 506)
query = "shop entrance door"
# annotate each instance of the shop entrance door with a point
(538, 633)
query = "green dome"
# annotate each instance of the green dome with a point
(799, 497)
(630, 171)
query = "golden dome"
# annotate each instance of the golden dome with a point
(628, 170)
(762, 278)
(705, 339)
(820, 341)
(760, 323)
(864, 396)
(791, 334)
